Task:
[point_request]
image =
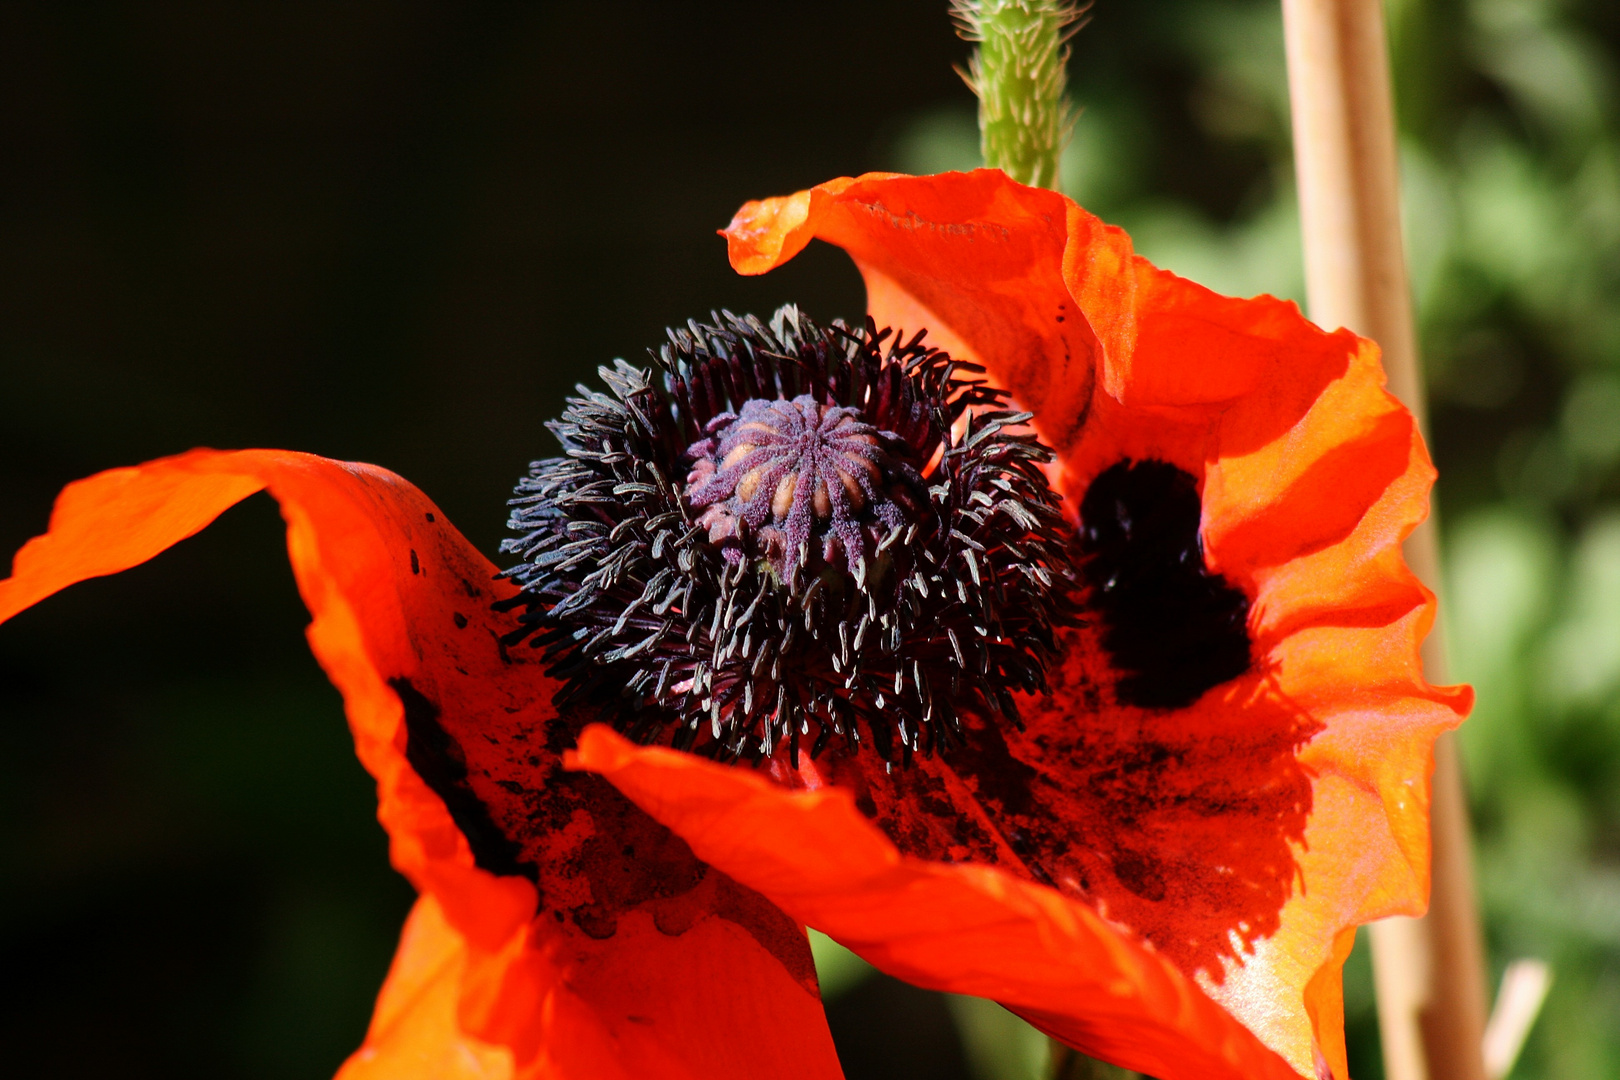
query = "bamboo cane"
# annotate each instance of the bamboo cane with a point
(1429, 972)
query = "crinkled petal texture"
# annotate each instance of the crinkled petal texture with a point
(623, 962)
(965, 928)
(1222, 852)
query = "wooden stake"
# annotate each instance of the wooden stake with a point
(1429, 972)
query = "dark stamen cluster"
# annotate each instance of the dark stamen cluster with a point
(789, 528)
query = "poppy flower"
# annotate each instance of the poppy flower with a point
(1106, 702)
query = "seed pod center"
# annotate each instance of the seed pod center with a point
(801, 485)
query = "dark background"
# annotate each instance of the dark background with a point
(399, 232)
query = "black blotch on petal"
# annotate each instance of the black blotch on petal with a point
(1172, 628)
(1141, 874)
(438, 760)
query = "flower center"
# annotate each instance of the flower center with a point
(800, 484)
(738, 548)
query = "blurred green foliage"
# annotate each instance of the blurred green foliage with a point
(1510, 153)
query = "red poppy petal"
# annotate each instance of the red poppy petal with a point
(709, 981)
(980, 257)
(414, 1028)
(964, 928)
(656, 1005)
(1310, 476)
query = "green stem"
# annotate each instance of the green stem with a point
(1019, 71)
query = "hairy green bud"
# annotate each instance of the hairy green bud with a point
(1019, 72)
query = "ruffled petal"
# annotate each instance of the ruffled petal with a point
(1310, 476)
(652, 977)
(979, 257)
(414, 1028)
(964, 928)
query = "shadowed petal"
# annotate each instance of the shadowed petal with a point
(544, 944)
(965, 928)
